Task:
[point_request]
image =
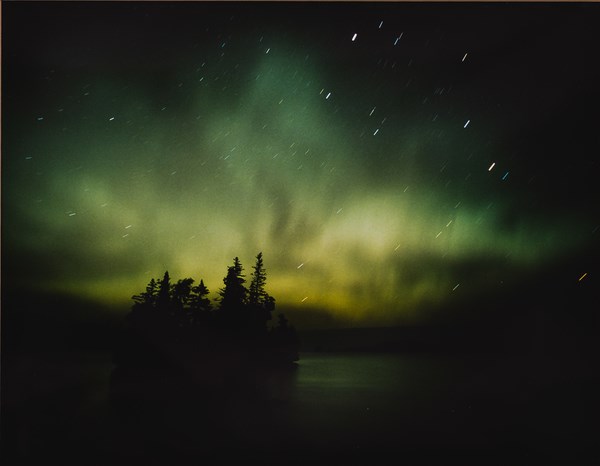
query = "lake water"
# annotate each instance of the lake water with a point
(350, 405)
(334, 409)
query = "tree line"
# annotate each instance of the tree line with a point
(183, 310)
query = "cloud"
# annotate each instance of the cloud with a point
(365, 229)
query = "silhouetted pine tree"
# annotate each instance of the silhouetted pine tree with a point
(145, 324)
(259, 302)
(200, 306)
(148, 298)
(256, 291)
(163, 298)
(181, 297)
(233, 296)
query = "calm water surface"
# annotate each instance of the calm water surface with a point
(370, 399)
(337, 408)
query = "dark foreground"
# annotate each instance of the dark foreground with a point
(333, 408)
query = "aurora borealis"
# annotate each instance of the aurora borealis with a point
(385, 158)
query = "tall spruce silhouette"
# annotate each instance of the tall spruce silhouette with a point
(233, 297)
(200, 306)
(147, 298)
(260, 304)
(163, 297)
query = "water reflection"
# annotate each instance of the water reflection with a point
(332, 406)
(333, 409)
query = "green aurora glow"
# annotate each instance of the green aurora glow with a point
(204, 140)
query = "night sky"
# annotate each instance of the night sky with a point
(387, 159)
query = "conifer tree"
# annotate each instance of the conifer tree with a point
(200, 305)
(147, 298)
(163, 298)
(261, 304)
(181, 292)
(256, 292)
(181, 296)
(199, 299)
(233, 294)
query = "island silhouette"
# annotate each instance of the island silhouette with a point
(175, 336)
